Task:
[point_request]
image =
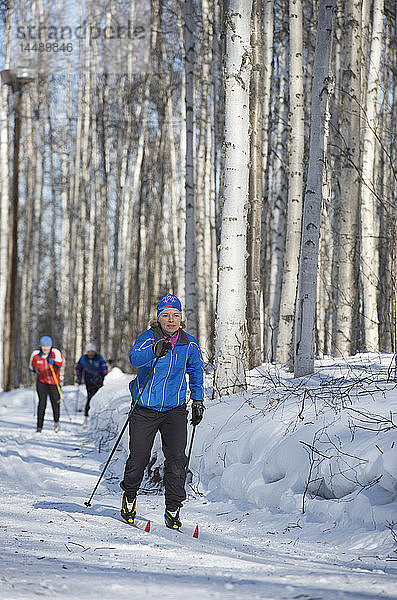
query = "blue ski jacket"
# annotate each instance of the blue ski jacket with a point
(94, 369)
(167, 385)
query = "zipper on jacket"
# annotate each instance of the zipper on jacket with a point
(165, 381)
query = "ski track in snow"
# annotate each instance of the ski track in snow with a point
(53, 546)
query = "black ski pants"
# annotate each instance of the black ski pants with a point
(92, 389)
(144, 424)
(44, 390)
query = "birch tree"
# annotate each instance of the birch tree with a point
(268, 49)
(4, 189)
(200, 206)
(231, 303)
(183, 161)
(386, 208)
(83, 326)
(66, 225)
(308, 260)
(190, 257)
(277, 187)
(267, 92)
(369, 249)
(255, 193)
(346, 213)
(11, 322)
(31, 248)
(295, 182)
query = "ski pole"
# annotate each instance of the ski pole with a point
(60, 391)
(88, 503)
(34, 395)
(190, 448)
(76, 399)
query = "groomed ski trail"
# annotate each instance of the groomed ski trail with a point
(53, 546)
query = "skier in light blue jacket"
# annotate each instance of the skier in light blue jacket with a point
(162, 406)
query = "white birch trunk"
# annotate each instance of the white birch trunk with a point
(173, 193)
(387, 207)
(127, 205)
(172, 179)
(308, 260)
(93, 200)
(142, 253)
(37, 248)
(190, 258)
(182, 181)
(215, 119)
(126, 226)
(268, 51)
(366, 27)
(230, 331)
(4, 191)
(113, 339)
(277, 198)
(255, 194)
(210, 250)
(70, 297)
(83, 227)
(200, 216)
(28, 321)
(65, 225)
(324, 281)
(295, 184)
(369, 249)
(347, 206)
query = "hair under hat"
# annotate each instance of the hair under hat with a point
(169, 302)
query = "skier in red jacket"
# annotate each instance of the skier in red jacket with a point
(41, 362)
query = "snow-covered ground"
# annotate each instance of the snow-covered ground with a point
(293, 486)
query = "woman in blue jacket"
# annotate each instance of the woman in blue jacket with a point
(162, 406)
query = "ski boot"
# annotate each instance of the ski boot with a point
(172, 520)
(38, 430)
(128, 509)
(56, 426)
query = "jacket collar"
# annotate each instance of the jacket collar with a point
(158, 335)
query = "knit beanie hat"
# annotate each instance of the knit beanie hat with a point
(169, 302)
(90, 347)
(45, 341)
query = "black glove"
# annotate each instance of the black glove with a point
(197, 412)
(161, 347)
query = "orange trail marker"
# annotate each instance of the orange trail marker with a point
(195, 534)
(147, 528)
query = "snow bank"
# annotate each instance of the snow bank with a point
(324, 447)
(109, 407)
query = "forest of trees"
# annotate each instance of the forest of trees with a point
(240, 154)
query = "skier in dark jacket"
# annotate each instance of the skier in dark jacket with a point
(162, 406)
(46, 363)
(94, 368)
